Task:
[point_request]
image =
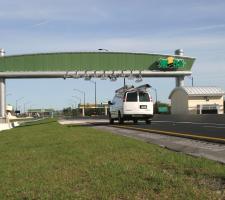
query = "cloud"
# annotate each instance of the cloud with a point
(34, 42)
(204, 28)
(210, 27)
(52, 10)
(41, 23)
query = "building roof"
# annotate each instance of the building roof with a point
(200, 91)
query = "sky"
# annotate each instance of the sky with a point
(148, 26)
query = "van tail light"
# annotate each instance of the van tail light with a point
(150, 99)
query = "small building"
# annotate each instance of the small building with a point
(90, 109)
(9, 108)
(41, 112)
(9, 112)
(197, 100)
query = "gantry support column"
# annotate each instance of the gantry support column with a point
(2, 98)
(180, 81)
(2, 93)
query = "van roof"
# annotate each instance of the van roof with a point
(127, 88)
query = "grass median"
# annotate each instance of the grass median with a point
(45, 160)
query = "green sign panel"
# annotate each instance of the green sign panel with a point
(163, 109)
(171, 63)
(97, 61)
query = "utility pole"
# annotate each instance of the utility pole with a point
(94, 82)
(17, 102)
(82, 92)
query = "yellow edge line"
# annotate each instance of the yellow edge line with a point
(170, 133)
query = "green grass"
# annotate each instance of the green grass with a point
(45, 160)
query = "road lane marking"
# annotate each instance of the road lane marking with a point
(213, 127)
(171, 133)
(197, 123)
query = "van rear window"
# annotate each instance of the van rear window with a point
(143, 97)
(131, 97)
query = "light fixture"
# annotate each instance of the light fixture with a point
(138, 78)
(122, 75)
(113, 78)
(103, 77)
(66, 75)
(87, 78)
(76, 75)
(131, 76)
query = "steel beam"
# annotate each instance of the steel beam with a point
(94, 74)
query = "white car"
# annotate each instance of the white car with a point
(131, 103)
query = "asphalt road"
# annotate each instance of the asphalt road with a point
(200, 127)
(198, 130)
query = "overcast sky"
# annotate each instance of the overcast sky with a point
(28, 26)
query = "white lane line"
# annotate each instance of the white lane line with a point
(213, 127)
(197, 123)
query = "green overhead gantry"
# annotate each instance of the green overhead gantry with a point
(91, 64)
(83, 61)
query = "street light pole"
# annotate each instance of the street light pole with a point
(17, 101)
(77, 98)
(74, 103)
(79, 101)
(94, 82)
(30, 109)
(192, 81)
(24, 105)
(82, 92)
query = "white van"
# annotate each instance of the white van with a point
(131, 103)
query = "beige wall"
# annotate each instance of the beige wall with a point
(194, 101)
(179, 103)
(182, 104)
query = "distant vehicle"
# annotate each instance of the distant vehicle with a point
(131, 103)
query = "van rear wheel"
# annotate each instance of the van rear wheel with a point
(148, 121)
(135, 121)
(120, 119)
(111, 120)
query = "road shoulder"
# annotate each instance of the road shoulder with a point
(212, 151)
